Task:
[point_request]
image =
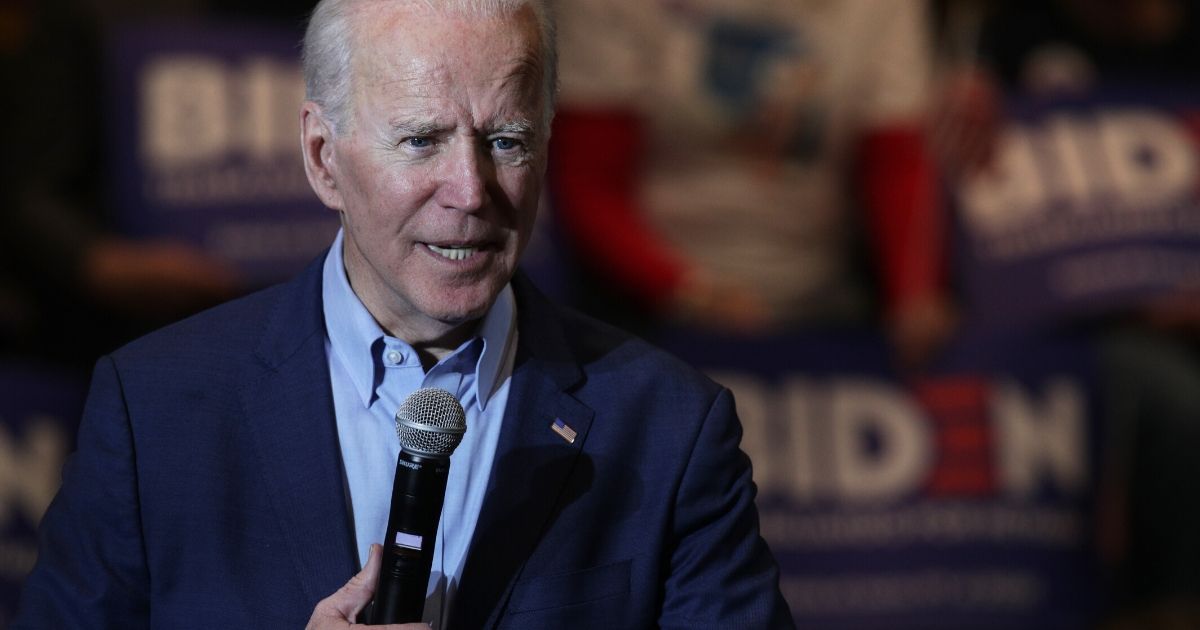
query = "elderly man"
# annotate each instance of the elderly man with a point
(234, 470)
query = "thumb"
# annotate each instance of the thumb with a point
(357, 593)
(349, 600)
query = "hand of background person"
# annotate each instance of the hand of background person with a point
(966, 121)
(919, 327)
(710, 303)
(155, 279)
(338, 611)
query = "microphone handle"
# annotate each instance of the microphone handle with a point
(418, 492)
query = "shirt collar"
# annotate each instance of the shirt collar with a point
(353, 332)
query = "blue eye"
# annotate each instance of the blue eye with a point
(505, 144)
(417, 142)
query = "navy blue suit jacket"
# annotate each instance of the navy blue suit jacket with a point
(206, 491)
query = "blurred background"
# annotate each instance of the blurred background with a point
(946, 254)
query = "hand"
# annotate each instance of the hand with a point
(966, 122)
(717, 305)
(339, 610)
(920, 327)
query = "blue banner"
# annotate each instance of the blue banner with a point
(962, 499)
(205, 144)
(1092, 206)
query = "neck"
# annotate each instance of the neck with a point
(432, 339)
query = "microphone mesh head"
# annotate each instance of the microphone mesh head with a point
(431, 422)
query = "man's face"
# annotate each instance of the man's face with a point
(439, 174)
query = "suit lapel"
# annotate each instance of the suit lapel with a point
(532, 464)
(289, 408)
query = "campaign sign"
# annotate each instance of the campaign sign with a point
(959, 500)
(205, 144)
(1092, 206)
(39, 412)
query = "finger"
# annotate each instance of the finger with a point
(361, 588)
(349, 600)
(342, 608)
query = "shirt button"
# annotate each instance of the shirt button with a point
(394, 357)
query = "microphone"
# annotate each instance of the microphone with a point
(430, 424)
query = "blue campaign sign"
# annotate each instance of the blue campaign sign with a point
(962, 499)
(1093, 206)
(39, 412)
(204, 144)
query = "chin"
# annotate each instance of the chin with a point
(455, 317)
(455, 301)
(457, 309)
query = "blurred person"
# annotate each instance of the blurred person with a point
(63, 261)
(234, 469)
(711, 159)
(1148, 349)
(1049, 50)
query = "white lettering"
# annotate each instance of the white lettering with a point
(197, 109)
(1150, 159)
(1065, 136)
(881, 446)
(1111, 162)
(861, 440)
(185, 110)
(273, 92)
(804, 443)
(1012, 192)
(30, 470)
(1040, 441)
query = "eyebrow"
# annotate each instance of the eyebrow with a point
(423, 128)
(414, 127)
(522, 126)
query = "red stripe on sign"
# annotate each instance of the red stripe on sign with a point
(957, 407)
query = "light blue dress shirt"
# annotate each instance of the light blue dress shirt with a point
(372, 373)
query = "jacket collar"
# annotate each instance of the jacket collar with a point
(289, 407)
(533, 463)
(294, 431)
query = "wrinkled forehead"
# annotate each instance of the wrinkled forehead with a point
(411, 45)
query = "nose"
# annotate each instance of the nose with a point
(466, 176)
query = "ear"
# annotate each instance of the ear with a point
(317, 145)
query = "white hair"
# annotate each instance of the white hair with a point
(329, 45)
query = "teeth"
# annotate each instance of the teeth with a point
(454, 253)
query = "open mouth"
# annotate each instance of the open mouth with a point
(453, 252)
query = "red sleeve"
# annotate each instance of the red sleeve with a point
(904, 213)
(596, 160)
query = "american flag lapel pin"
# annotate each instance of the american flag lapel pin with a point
(565, 432)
